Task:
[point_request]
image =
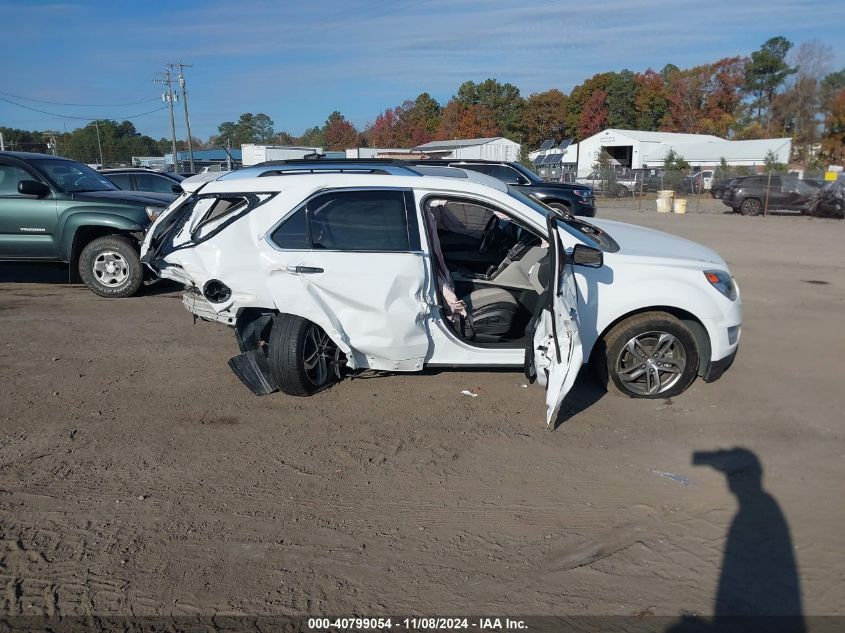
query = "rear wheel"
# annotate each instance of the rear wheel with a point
(111, 267)
(751, 206)
(303, 358)
(651, 355)
(622, 191)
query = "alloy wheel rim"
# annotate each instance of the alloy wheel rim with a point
(110, 269)
(651, 363)
(322, 359)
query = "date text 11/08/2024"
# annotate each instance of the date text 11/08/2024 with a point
(420, 624)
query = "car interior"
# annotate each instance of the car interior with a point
(491, 270)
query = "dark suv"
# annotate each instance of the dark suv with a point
(573, 198)
(750, 195)
(55, 209)
(140, 179)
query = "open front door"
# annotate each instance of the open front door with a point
(557, 354)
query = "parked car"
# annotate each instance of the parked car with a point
(621, 185)
(139, 179)
(571, 198)
(830, 200)
(327, 267)
(55, 209)
(749, 195)
(697, 182)
(648, 179)
(718, 187)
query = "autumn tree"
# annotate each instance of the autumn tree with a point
(650, 104)
(833, 143)
(382, 133)
(587, 111)
(338, 133)
(544, 116)
(460, 120)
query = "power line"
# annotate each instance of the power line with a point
(81, 118)
(78, 105)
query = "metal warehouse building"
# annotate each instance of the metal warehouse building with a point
(493, 148)
(637, 149)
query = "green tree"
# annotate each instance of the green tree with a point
(621, 97)
(765, 73)
(249, 128)
(312, 137)
(502, 100)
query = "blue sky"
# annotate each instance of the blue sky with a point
(298, 61)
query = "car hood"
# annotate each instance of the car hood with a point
(639, 241)
(131, 197)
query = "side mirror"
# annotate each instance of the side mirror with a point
(33, 188)
(176, 189)
(583, 255)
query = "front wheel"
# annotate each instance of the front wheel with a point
(651, 355)
(560, 206)
(111, 267)
(751, 206)
(303, 359)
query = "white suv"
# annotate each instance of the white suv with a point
(327, 267)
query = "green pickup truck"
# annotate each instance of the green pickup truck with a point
(55, 209)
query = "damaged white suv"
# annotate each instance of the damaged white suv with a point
(328, 267)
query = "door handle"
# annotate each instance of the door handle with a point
(304, 270)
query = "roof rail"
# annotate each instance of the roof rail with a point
(311, 161)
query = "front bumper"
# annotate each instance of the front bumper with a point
(716, 368)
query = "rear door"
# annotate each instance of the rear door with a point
(555, 356)
(351, 260)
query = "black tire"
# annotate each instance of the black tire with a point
(650, 330)
(751, 206)
(560, 206)
(117, 254)
(622, 191)
(292, 341)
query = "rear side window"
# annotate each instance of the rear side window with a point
(123, 181)
(149, 182)
(371, 221)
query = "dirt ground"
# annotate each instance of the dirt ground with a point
(138, 476)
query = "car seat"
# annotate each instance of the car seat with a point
(490, 314)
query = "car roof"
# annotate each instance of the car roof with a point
(33, 155)
(356, 169)
(447, 179)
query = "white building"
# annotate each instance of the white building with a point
(637, 149)
(254, 154)
(493, 148)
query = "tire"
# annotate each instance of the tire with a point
(635, 340)
(292, 341)
(751, 206)
(560, 206)
(622, 191)
(111, 267)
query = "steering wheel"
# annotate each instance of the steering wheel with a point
(81, 179)
(489, 234)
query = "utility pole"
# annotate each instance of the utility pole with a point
(180, 65)
(99, 145)
(168, 97)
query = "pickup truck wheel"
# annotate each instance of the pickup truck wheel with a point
(622, 191)
(651, 355)
(111, 267)
(303, 359)
(751, 206)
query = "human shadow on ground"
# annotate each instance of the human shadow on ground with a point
(758, 589)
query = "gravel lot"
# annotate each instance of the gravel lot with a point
(137, 475)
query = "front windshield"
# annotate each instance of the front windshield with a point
(72, 177)
(587, 233)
